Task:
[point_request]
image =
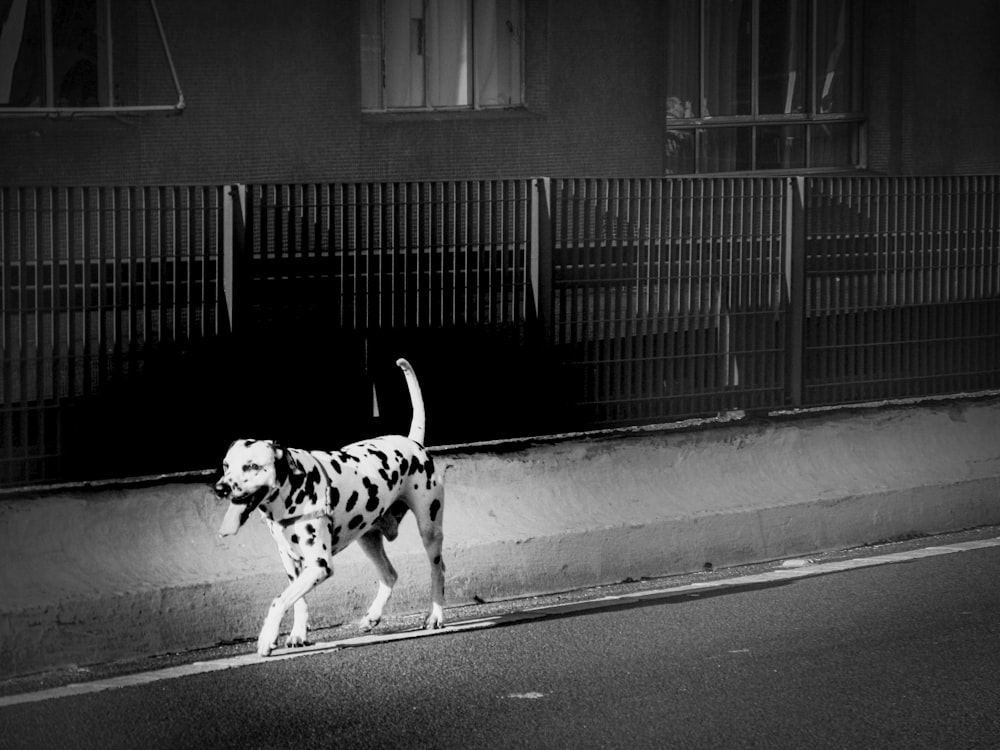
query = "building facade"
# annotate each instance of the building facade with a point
(246, 92)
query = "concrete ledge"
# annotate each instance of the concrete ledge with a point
(89, 575)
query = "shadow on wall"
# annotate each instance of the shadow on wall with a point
(180, 406)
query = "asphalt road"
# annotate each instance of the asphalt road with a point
(902, 655)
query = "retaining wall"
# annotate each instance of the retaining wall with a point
(93, 574)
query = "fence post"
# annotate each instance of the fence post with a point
(234, 234)
(795, 286)
(541, 254)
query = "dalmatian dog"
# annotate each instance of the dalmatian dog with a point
(315, 503)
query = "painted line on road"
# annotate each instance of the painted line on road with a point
(526, 615)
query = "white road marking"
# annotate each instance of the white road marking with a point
(537, 613)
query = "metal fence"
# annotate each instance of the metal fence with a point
(145, 327)
(669, 295)
(376, 256)
(902, 287)
(100, 286)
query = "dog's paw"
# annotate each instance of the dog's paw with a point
(434, 620)
(294, 640)
(368, 623)
(264, 648)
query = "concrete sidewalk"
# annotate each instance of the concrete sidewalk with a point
(95, 574)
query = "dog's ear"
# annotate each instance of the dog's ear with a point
(285, 464)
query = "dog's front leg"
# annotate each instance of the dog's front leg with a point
(302, 585)
(300, 625)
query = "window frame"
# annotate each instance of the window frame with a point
(753, 123)
(106, 83)
(474, 105)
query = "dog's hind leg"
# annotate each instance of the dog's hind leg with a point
(371, 544)
(430, 522)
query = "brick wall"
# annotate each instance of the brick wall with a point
(273, 93)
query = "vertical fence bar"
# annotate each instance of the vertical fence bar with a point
(541, 255)
(795, 311)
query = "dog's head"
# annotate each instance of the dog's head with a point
(251, 473)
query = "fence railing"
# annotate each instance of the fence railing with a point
(902, 287)
(98, 285)
(669, 295)
(370, 256)
(138, 322)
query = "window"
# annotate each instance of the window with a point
(441, 54)
(84, 57)
(53, 53)
(762, 85)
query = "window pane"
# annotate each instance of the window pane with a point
(833, 145)
(498, 52)
(782, 85)
(404, 53)
(74, 52)
(371, 55)
(833, 58)
(448, 53)
(728, 51)
(724, 149)
(680, 152)
(781, 147)
(73, 72)
(22, 54)
(682, 55)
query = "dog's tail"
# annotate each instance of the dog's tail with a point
(419, 422)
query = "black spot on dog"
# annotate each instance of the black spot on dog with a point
(334, 497)
(335, 464)
(372, 504)
(356, 522)
(437, 559)
(310, 529)
(404, 465)
(352, 501)
(435, 509)
(295, 538)
(323, 564)
(383, 459)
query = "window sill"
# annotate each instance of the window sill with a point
(447, 115)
